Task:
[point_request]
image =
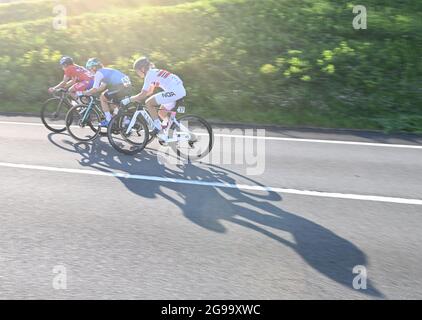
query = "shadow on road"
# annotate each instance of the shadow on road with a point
(206, 206)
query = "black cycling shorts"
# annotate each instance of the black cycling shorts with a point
(117, 94)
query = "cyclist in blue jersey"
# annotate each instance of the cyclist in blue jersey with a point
(113, 85)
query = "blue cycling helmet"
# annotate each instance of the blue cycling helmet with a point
(93, 62)
(65, 60)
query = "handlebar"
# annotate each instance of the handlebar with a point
(59, 93)
(89, 99)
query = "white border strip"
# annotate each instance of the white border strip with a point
(369, 144)
(25, 123)
(217, 184)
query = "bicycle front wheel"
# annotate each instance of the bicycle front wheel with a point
(82, 126)
(200, 141)
(128, 141)
(53, 114)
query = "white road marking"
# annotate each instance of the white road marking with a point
(369, 144)
(25, 123)
(217, 184)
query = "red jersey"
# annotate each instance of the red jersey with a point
(77, 72)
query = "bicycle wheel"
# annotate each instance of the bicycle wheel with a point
(103, 130)
(53, 114)
(201, 138)
(151, 137)
(80, 129)
(130, 142)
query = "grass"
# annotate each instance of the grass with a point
(297, 63)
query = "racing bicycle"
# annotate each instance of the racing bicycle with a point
(190, 136)
(83, 120)
(54, 110)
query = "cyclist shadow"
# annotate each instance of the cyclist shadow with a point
(211, 207)
(322, 249)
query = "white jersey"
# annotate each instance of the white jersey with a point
(161, 79)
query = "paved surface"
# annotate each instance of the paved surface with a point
(135, 238)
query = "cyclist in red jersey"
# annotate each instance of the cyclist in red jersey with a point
(76, 78)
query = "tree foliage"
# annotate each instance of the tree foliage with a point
(268, 61)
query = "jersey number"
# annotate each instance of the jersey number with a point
(126, 82)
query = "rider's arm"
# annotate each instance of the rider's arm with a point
(147, 90)
(142, 95)
(70, 83)
(93, 90)
(98, 85)
(64, 83)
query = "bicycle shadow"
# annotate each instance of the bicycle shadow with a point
(211, 207)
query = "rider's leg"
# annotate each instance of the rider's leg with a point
(72, 91)
(163, 114)
(167, 99)
(105, 105)
(151, 104)
(79, 86)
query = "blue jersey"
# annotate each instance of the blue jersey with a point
(111, 77)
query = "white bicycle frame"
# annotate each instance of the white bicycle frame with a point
(183, 135)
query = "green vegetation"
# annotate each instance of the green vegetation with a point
(38, 9)
(268, 61)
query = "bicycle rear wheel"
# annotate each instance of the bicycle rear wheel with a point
(82, 129)
(53, 114)
(201, 137)
(126, 142)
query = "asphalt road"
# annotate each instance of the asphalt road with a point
(289, 223)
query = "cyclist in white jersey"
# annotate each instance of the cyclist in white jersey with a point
(171, 85)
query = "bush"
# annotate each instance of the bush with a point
(268, 61)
